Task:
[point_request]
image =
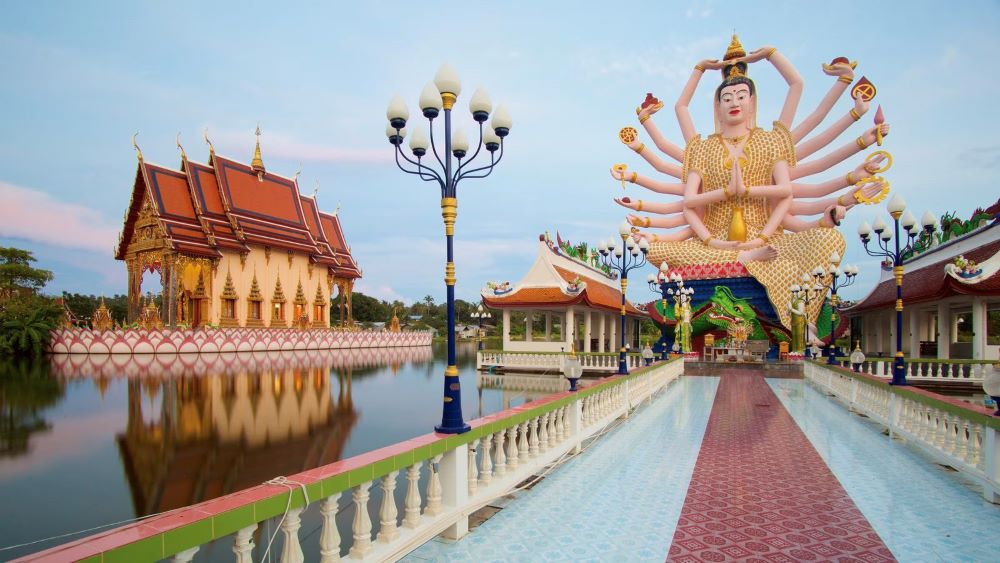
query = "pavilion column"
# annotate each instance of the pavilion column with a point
(506, 329)
(915, 317)
(613, 336)
(978, 328)
(600, 332)
(529, 327)
(586, 330)
(570, 328)
(548, 327)
(943, 331)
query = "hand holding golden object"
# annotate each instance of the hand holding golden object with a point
(870, 158)
(620, 169)
(877, 198)
(628, 134)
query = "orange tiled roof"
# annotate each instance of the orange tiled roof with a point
(223, 205)
(595, 294)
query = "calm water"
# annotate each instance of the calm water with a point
(86, 442)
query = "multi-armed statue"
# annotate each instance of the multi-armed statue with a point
(742, 195)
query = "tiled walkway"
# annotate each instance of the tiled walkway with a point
(760, 491)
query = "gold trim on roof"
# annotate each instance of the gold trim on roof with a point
(279, 294)
(300, 296)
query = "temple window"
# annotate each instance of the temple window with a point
(253, 310)
(278, 306)
(229, 309)
(229, 299)
(254, 304)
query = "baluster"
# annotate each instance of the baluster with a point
(558, 425)
(512, 448)
(473, 469)
(533, 440)
(522, 445)
(411, 504)
(964, 435)
(543, 433)
(434, 487)
(329, 538)
(361, 527)
(975, 455)
(485, 463)
(954, 428)
(501, 458)
(387, 513)
(243, 544)
(940, 428)
(185, 556)
(291, 551)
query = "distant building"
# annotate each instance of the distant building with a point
(951, 297)
(574, 300)
(234, 245)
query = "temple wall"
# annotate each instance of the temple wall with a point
(269, 270)
(139, 341)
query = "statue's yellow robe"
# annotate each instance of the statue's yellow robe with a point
(798, 253)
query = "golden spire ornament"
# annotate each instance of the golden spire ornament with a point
(138, 153)
(257, 164)
(735, 49)
(179, 147)
(211, 148)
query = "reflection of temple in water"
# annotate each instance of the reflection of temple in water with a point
(219, 434)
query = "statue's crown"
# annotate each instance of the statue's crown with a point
(735, 49)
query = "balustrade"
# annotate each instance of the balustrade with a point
(961, 437)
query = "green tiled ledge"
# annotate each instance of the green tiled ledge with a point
(970, 415)
(221, 525)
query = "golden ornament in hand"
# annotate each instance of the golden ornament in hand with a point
(870, 158)
(628, 134)
(620, 169)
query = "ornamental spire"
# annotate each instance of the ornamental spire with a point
(735, 49)
(180, 148)
(257, 164)
(211, 148)
(138, 153)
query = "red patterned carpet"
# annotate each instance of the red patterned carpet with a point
(761, 492)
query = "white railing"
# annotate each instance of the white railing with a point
(927, 370)
(552, 361)
(961, 437)
(528, 383)
(445, 478)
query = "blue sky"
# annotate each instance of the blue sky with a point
(81, 78)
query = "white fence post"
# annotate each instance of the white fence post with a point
(575, 412)
(454, 469)
(991, 455)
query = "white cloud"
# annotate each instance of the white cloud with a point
(381, 291)
(672, 62)
(37, 216)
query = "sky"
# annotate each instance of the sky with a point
(81, 78)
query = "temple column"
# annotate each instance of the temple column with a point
(548, 327)
(529, 326)
(569, 329)
(943, 331)
(586, 331)
(506, 330)
(915, 317)
(613, 340)
(600, 332)
(134, 290)
(978, 328)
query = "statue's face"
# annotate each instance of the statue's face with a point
(735, 103)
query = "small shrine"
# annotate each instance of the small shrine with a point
(951, 295)
(567, 300)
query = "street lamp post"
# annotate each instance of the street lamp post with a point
(895, 254)
(809, 292)
(436, 96)
(659, 283)
(623, 259)
(839, 278)
(479, 314)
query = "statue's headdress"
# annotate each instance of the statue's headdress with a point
(734, 73)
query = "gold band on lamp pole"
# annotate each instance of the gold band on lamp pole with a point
(448, 100)
(898, 274)
(449, 273)
(451, 371)
(899, 304)
(449, 212)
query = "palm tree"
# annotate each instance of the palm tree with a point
(27, 334)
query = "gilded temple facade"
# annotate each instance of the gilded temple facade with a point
(234, 246)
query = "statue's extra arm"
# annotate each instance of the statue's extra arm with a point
(652, 207)
(668, 222)
(816, 117)
(648, 183)
(681, 107)
(795, 85)
(831, 133)
(656, 162)
(824, 163)
(673, 151)
(693, 218)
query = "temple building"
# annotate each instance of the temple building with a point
(566, 298)
(235, 245)
(951, 295)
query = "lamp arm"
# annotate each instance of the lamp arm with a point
(423, 175)
(479, 147)
(426, 172)
(430, 127)
(467, 173)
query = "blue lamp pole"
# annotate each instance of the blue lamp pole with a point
(623, 259)
(437, 96)
(895, 254)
